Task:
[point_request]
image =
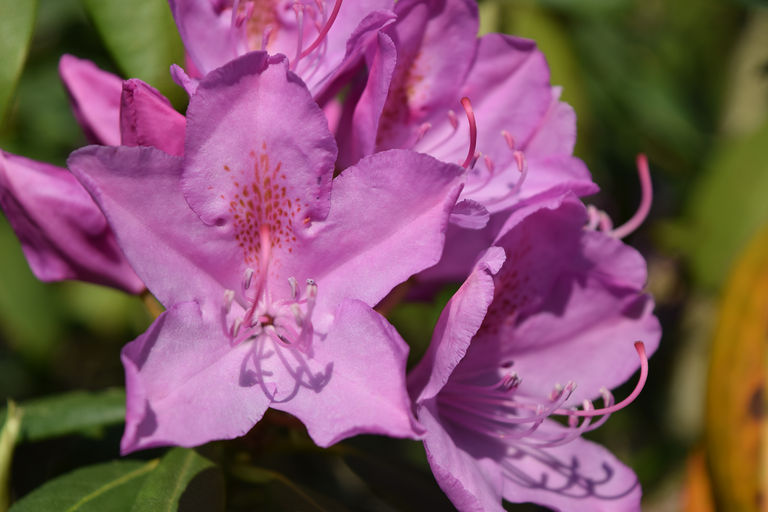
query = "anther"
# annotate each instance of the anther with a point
(645, 202)
(489, 163)
(509, 138)
(522, 163)
(606, 224)
(245, 16)
(453, 119)
(236, 326)
(265, 35)
(511, 381)
(593, 215)
(229, 296)
(247, 278)
(472, 131)
(294, 287)
(556, 393)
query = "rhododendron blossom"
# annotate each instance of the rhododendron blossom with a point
(545, 323)
(267, 267)
(322, 39)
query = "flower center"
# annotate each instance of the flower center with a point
(287, 322)
(496, 410)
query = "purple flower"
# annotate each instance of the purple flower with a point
(323, 40)
(524, 135)
(552, 305)
(268, 278)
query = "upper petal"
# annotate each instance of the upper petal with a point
(258, 153)
(206, 33)
(556, 135)
(95, 99)
(387, 222)
(436, 42)
(186, 385)
(63, 233)
(139, 190)
(362, 391)
(148, 119)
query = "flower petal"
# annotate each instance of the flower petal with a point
(139, 190)
(458, 323)
(258, 153)
(186, 385)
(206, 35)
(63, 233)
(386, 223)
(580, 475)
(148, 119)
(472, 483)
(95, 99)
(362, 364)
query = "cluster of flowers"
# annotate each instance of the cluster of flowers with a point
(321, 163)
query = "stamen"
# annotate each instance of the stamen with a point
(296, 313)
(556, 393)
(294, 287)
(522, 166)
(489, 164)
(247, 278)
(509, 138)
(416, 137)
(236, 327)
(453, 119)
(235, 7)
(246, 15)
(265, 35)
(594, 218)
(472, 131)
(640, 347)
(229, 296)
(299, 10)
(645, 203)
(323, 32)
(606, 224)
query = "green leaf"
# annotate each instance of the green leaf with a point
(727, 208)
(185, 481)
(8, 436)
(17, 23)
(70, 413)
(104, 487)
(142, 37)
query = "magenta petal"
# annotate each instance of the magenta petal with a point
(458, 323)
(186, 385)
(63, 233)
(183, 80)
(245, 171)
(472, 483)
(386, 223)
(95, 99)
(139, 189)
(580, 475)
(358, 138)
(359, 380)
(148, 119)
(556, 135)
(470, 214)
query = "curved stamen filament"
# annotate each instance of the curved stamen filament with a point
(640, 347)
(645, 203)
(522, 166)
(322, 33)
(299, 10)
(472, 131)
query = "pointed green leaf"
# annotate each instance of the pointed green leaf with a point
(184, 481)
(105, 487)
(142, 37)
(8, 436)
(70, 413)
(17, 22)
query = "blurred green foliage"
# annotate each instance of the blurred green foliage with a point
(684, 81)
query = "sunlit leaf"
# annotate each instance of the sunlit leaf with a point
(17, 21)
(8, 435)
(727, 208)
(735, 398)
(70, 413)
(142, 37)
(185, 481)
(105, 487)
